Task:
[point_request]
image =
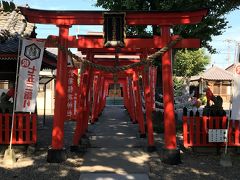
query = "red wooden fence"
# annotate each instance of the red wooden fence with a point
(24, 129)
(195, 130)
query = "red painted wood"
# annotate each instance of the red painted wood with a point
(236, 141)
(125, 96)
(61, 91)
(185, 131)
(210, 122)
(191, 130)
(132, 45)
(217, 122)
(84, 99)
(224, 122)
(148, 108)
(131, 108)
(153, 79)
(132, 101)
(20, 127)
(72, 93)
(168, 99)
(140, 117)
(100, 98)
(79, 124)
(198, 132)
(96, 17)
(111, 51)
(28, 127)
(34, 128)
(96, 87)
(204, 127)
(230, 133)
(233, 135)
(14, 128)
(89, 97)
(103, 95)
(65, 19)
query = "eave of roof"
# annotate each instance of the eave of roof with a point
(214, 73)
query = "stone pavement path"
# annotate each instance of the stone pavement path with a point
(116, 152)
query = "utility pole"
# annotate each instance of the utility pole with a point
(237, 53)
(236, 50)
(229, 41)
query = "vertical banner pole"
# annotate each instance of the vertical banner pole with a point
(15, 94)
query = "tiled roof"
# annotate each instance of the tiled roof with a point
(13, 24)
(214, 73)
(230, 68)
(9, 46)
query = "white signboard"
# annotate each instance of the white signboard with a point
(236, 94)
(30, 62)
(217, 135)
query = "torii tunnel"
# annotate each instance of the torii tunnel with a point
(94, 82)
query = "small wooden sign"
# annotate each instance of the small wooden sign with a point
(217, 135)
(114, 29)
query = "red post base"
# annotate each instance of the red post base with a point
(171, 156)
(56, 155)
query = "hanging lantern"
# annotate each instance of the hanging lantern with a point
(114, 29)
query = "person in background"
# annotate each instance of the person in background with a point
(209, 95)
(10, 93)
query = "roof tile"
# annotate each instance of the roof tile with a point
(214, 73)
(14, 23)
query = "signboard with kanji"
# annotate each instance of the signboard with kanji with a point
(114, 29)
(30, 63)
(72, 96)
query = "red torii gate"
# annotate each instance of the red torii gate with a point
(65, 19)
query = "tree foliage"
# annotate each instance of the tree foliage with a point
(213, 24)
(189, 63)
(7, 6)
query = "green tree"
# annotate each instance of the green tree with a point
(189, 63)
(213, 24)
(7, 6)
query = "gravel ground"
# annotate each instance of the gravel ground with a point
(195, 166)
(32, 165)
(197, 163)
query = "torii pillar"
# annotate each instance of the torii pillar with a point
(171, 155)
(57, 152)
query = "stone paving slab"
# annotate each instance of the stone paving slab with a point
(124, 160)
(116, 151)
(116, 141)
(113, 176)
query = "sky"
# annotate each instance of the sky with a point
(226, 44)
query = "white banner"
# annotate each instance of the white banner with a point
(236, 94)
(30, 62)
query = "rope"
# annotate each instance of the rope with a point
(149, 61)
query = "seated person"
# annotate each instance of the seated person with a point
(209, 95)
